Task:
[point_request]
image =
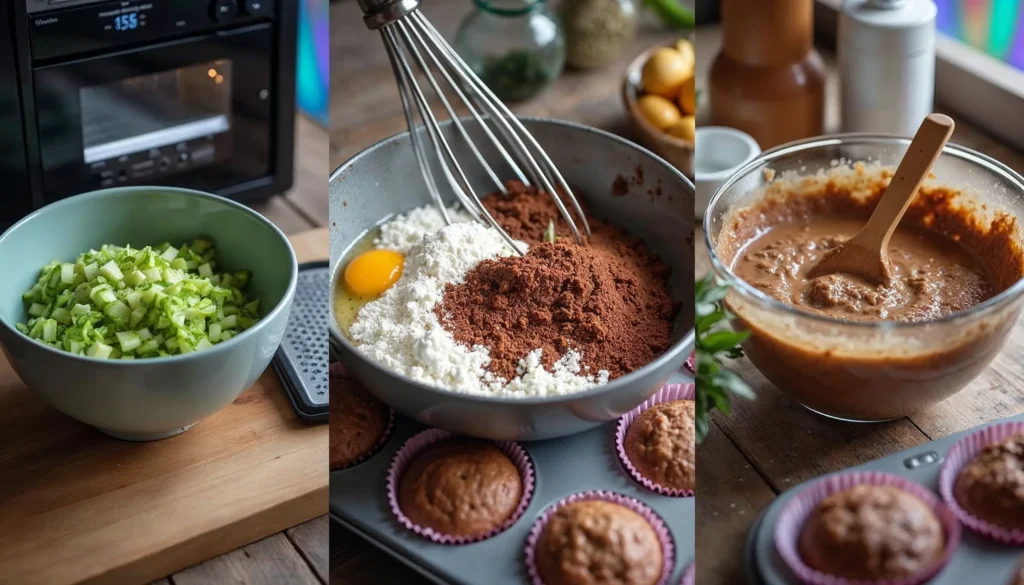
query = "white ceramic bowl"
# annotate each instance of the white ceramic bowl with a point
(720, 152)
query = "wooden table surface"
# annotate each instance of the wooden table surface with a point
(298, 555)
(365, 108)
(769, 445)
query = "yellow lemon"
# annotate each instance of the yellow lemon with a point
(688, 97)
(659, 111)
(684, 128)
(665, 71)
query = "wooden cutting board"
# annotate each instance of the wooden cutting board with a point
(77, 506)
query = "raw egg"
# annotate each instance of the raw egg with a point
(371, 273)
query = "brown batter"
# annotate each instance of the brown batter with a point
(932, 276)
(951, 253)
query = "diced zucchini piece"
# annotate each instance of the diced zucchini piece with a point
(170, 253)
(67, 273)
(110, 271)
(99, 350)
(128, 340)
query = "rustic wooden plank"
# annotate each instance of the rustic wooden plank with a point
(789, 444)
(311, 540)
(730, 495)
(354, 562)
(309, 193)
(271, 561)
(284, 216)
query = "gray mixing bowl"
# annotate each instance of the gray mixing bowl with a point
(152, 398)
(657, 206)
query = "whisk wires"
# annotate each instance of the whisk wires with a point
(410, 40)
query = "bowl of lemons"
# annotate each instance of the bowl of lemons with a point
(659, 94)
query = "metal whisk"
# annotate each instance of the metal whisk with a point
(408, 35)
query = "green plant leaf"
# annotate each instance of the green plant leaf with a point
(716, 384)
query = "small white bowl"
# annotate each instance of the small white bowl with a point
(720, 152)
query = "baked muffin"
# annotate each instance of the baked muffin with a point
(871, 532)
(660, 444)
(358, 422)
(461, 487)
(991, 486)
(594, 542)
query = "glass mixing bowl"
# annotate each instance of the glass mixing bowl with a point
(866, 371)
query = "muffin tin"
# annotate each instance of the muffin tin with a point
(977, 560)
(584, 462)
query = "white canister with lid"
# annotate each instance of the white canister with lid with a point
(887, 64)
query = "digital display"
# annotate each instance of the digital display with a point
(126, 21)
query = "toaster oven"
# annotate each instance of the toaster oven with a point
(189, 93)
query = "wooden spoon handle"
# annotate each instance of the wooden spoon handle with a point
(921, 155)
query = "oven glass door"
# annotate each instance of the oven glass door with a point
(196, 113)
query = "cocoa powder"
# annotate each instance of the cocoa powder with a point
(607, 300)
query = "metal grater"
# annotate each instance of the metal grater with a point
(301, 361)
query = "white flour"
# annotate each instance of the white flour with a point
(401, 332)
(406, 230)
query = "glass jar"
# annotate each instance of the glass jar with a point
(515, 46)
(597, 32)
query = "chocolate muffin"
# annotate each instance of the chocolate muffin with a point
(660, 444)
(461, 487)
(991, 486)
(358, 422)
(595, 542)
(871, 532)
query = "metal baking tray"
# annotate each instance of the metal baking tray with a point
(977, 560)
(565, 466)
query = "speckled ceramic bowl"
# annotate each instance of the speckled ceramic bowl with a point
(657, 206)
(153, 398)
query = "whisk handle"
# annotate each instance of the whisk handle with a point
(379, 13)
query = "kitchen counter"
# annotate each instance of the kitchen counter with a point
(771, 444)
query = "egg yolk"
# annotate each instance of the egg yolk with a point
(371, 273)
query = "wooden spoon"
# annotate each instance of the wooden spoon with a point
(865, 254)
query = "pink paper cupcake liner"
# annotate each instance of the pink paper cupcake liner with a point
(668, 393)
(795, 513)
(337, 372)
(690, 576)
(960, 455)
(667, 545)
(421, 441)
(691, 363)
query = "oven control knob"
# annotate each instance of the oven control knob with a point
(224, 10)
(256, 7)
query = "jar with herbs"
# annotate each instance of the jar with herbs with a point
(597, 32)
(516, 47)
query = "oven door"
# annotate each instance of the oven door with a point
(194, 113)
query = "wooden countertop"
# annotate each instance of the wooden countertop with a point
(298, 555)
(365, 108)
(769, 445)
